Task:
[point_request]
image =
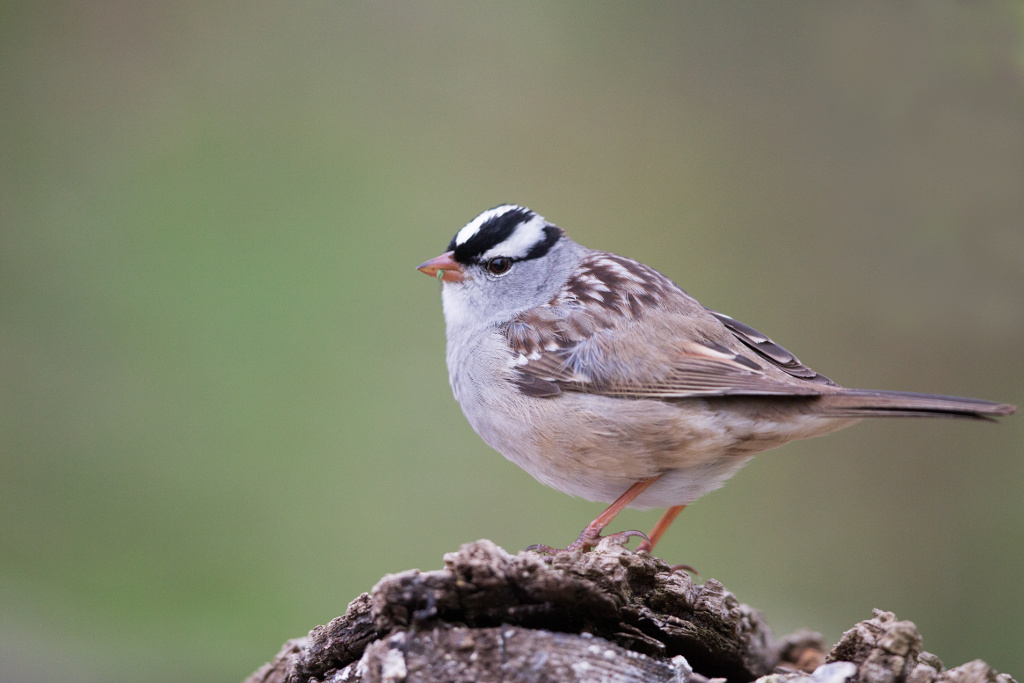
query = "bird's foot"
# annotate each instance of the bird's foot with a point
(590, 539)
(542, 549)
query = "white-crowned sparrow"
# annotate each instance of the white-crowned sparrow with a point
(603, 379)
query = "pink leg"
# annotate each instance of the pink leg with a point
(592, 534)
(659, 529)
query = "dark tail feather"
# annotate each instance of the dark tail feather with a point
(868, 403)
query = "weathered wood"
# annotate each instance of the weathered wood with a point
(610, 615)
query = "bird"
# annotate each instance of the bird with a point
(602, 378)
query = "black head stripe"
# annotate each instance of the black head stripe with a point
(551, 235)
(492, 233)
(498, 229)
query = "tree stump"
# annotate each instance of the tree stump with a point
(608, 615)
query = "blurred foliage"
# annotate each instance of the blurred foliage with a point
(224, 409)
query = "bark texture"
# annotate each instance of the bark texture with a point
(609, 615)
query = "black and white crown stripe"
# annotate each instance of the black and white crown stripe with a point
(508, 230)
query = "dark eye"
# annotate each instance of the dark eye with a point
(499, 265)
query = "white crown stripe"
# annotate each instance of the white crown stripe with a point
(473, 227)
(526, 235)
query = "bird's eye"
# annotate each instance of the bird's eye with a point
(499, 265)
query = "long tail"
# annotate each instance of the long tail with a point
(868, 403)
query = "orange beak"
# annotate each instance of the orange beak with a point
(443, 267)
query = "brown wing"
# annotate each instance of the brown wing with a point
(694, 369)
(597, 338)
(769, 350)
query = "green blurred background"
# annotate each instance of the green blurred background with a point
(224, 408)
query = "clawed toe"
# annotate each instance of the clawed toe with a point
(589, 540)
(622, 538)
(542, 549)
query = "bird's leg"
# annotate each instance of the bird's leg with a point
(660, 528)
(592, 534)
